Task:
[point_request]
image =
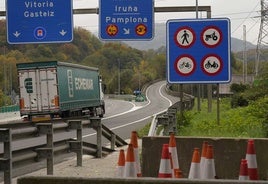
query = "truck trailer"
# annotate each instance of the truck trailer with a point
(59, 89)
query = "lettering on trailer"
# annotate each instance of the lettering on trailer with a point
(83, 84)
(28, 84)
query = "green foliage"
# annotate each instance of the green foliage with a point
(238, 122)
(4, 100)
(238, 88)
(144, 131)
(238, 100)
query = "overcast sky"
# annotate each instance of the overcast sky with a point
(240, 12)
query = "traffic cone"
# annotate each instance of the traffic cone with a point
(203, 156)
(195, 165)
(121, 164)
(178, 173)
(134, 142)
(209, 165)
(243, 173)
(174, 156)
(165, 163)
(252, 161)
(130, 165)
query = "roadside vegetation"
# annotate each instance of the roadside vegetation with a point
(249, 121)
(244, 114)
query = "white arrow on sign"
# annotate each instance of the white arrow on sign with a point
(16, 34)
(127, 31)
(63, 32)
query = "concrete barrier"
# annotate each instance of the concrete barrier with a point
(228, 153)
(74, 180)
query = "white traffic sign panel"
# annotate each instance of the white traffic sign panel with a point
(126, 19)
(39, 21)
(198, 51)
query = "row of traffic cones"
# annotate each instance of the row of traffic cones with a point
(248, 166)
(129, 165)
(202, 167)
(169, 164)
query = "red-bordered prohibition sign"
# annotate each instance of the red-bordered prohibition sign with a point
(211, 64)
(185, 37)
(211, 36)
(112, 30)
(185, 65)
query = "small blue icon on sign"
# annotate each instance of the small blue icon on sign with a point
(40, 33)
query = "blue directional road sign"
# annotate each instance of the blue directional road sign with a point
(198, 51)
(42, 21)
(126, 19)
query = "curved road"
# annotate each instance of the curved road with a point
(138, 116)
(122, 117)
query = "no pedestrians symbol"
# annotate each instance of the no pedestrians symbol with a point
(185, 37)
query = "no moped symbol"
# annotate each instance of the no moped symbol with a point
(211, 64)
(211, 36)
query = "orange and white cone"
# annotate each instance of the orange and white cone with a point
(165, 163)
(178, 173)
(203, 156)
(134, 142)
(195, 165)
(174, 156)
(121, 164)
(209, 165)
(243, 173)
(130, 165)
(252, 160)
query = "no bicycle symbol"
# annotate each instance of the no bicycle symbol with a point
(185, 65)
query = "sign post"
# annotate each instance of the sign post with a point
(43, 21)
(198, 51)
(126, 20)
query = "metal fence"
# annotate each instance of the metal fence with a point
(19, 131)
(11, 108)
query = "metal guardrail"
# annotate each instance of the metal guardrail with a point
(11, 108)
(51, 148)
(168, 119)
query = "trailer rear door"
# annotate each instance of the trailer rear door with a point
(38, 91)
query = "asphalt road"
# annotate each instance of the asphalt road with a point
(121, 117)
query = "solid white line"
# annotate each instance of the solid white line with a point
(137, 121)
